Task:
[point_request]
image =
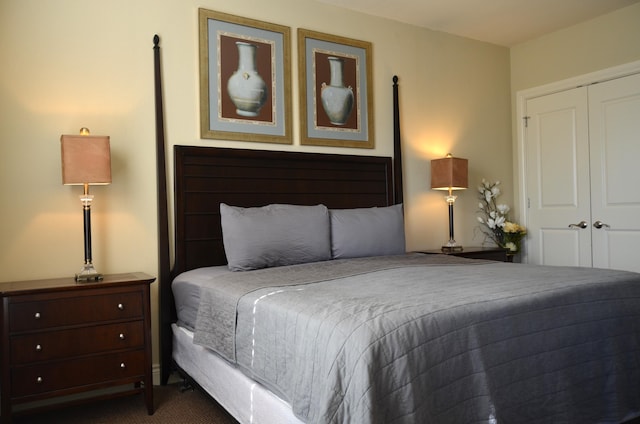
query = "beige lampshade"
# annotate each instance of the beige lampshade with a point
(449, 173)
(86, 159)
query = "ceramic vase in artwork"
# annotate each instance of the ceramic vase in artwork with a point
(337, 100)
(246, 87)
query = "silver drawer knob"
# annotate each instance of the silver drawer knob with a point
(38, 348)
(120, 306)
(122, 365)
(121, 336)
(39, 380)
(37, 315)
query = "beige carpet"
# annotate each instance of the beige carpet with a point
(171, 406)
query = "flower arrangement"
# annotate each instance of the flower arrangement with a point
(494, 218)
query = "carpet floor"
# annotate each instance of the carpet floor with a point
(171, 406)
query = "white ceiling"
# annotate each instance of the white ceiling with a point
(502, 22)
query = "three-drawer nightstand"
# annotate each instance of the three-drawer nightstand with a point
(488, 253)
(74, 341)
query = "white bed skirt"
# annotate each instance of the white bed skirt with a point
(248, 401)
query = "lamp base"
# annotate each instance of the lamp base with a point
(88, 273)
(450, 249)
(451, 246)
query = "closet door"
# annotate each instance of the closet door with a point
(614, 134)
(557, 173)
(582, 163)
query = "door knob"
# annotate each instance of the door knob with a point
(581, 224)
(599, 224)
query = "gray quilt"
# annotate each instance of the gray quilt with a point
(409, 340)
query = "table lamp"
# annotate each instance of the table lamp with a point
(86, 160)
(450, 174)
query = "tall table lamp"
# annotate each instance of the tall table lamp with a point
(86, 160)
(450, 174)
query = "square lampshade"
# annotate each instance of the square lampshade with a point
(86, 159)
(449, 173)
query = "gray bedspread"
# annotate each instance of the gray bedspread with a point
(411, 340)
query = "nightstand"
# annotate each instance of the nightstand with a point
(489, 253)
(74, 341)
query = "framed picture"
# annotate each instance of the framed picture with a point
(336, 98)
(245, 79)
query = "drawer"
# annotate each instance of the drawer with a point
(59, 344)
(42, 378)
(57, 312)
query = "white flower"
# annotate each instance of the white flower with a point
(494, 223)
(494, 218)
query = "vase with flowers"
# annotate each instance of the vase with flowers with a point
(494, 218)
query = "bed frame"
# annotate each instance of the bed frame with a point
(207, 176)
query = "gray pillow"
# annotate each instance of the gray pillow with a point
(275, 235)
(367, 232)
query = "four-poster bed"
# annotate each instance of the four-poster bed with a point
(410, 338)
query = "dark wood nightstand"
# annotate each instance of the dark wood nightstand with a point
(489, 253)
(63, 339)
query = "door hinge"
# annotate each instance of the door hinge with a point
(526, 121)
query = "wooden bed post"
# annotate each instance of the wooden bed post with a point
(164, 264)
(397, 146)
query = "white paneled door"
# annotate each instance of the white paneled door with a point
(582, 149)
(558, 179)
(614, 134)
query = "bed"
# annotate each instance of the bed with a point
(347, 327)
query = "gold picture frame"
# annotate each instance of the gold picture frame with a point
(245, 79)
(336, 95)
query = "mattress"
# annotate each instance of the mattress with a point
(186, 289)
(412, 340)
(246, 400)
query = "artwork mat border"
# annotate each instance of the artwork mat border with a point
(245, 131)
(308, 102)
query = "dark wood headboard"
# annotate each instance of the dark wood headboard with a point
(208, 176)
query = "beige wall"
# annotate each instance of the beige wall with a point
(610, 40)
(602, 43)
(70, 63)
